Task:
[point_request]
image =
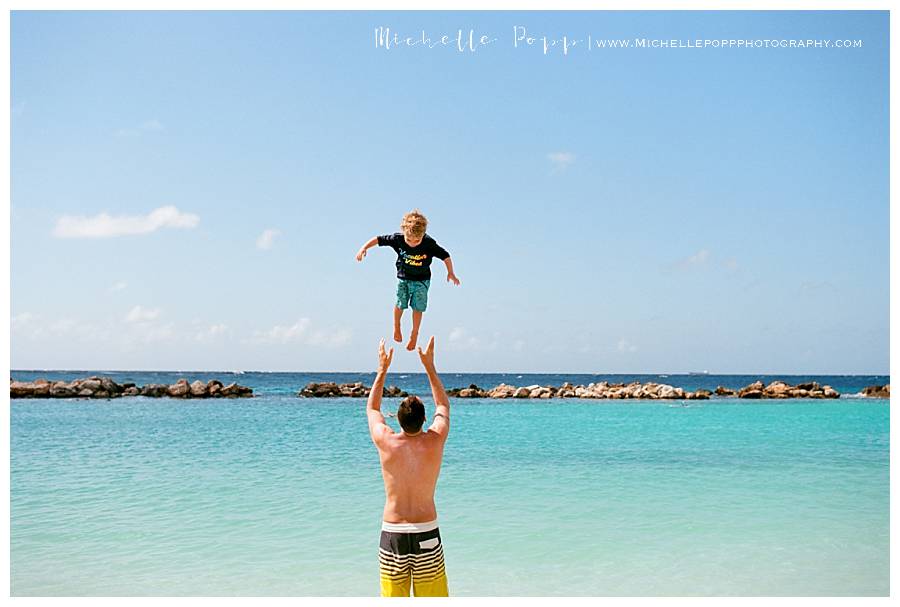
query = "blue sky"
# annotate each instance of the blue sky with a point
(189, 190)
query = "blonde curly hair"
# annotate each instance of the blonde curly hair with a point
(414, 224)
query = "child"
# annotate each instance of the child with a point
(414, 250)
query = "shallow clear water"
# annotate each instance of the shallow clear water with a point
(278, 495)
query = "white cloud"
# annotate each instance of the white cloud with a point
(699, 257)
(21, 320)
(460, 340)
(33, 327)
(107, 226)
(625, 346)
(561, 160)
(266, 239)
(301, 332)
(117, 287)
(140, 314)
(209, 333)
(150, 126)
(330, 339)
(153, 332)
(282, 335)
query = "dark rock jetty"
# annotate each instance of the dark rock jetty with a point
(877, 391)
(104, 387)
(333, 390)
(601, 390)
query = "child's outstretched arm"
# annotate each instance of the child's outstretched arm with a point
(451, 277)
(362, 251)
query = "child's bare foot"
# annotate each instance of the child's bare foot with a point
(411, 344)
(398, 335)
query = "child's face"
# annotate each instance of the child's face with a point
(412, 241)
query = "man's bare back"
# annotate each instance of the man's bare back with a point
(410, 466)
(410, 551)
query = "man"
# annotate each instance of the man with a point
(410, 548)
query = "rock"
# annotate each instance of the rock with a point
(91, 384)
(213, 388)
(21, 389)
(502, 391)
(179, 389)
(62, 389)
(752, 389)
(393, 392)
(830, 392)
(108, 385)
(155, 390)
(777, 389)
(132, 391)
(233, 390)
(472, 391)
(723, 391)
(522, 393)
(666, 391)
(199, 389)
(320, 390)
(41, 388)
(877, 391)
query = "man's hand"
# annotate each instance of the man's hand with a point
(428, 355)
(384, 359)
(451, 277)
(360, 254)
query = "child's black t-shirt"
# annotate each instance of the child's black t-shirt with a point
(413, 263)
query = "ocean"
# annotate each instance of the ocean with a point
(280, 495)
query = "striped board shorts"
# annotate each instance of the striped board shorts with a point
(411, 553)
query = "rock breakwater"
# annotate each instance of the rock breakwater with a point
(354, 390)
(877, 391)
(104, 387)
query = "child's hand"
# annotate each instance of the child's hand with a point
(360, 255)
(452, 278)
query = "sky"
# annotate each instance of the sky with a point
(189, 190)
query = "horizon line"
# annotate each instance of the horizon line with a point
(242, 371)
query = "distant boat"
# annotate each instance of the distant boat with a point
(698, 373)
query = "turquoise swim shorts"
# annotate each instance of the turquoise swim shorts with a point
(413, 294)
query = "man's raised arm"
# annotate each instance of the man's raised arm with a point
(377, 427)
(441, 423)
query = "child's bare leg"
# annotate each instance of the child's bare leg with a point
(398, 334)
(414, 336)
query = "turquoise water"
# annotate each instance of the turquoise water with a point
(282, 496)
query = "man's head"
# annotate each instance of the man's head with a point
(413, 227)
(411, 414)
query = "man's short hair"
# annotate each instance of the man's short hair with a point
(411, 414)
